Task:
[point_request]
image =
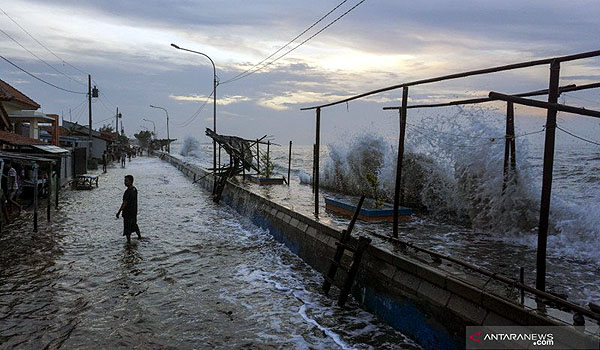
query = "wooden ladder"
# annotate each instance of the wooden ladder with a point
(336, 262)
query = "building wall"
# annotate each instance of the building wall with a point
(98, 147)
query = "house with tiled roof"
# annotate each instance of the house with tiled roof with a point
(14, 100)
(19, 119)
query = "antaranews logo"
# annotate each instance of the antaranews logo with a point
(528, 337)
(476, 337)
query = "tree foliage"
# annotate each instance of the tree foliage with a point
(107, 128)
(144, 137)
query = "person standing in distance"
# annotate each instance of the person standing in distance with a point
(122, 159)
(129, 209)
(13, 187)
(104, 160)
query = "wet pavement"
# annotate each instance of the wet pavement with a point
(200, 278)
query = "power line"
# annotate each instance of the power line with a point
(79, 113)
(49, 50)
(44, 46)
(434, 141)
(105, 96)
(40, 59)
(581, 98)
(40, 79)
(577, 137)
(489, 138)
(447, 133)
(295, 47)
(288, 43)
(103, 120)
(103, 105)
(197, 113)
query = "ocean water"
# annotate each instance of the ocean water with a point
(453, 176)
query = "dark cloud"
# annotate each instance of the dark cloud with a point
(441, 36)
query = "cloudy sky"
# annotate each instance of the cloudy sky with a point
(125, 46)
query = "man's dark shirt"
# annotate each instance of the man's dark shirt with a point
(130, 196)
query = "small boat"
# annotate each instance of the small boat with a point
(262, 181)
(347, 207)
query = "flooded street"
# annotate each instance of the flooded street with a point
(200, 278)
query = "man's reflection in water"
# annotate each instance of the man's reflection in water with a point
(131, 257)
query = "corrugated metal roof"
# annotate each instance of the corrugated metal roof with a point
(24, 156)
(51, 149)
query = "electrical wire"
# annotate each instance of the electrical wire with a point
(42, 45)
(79, 114)
(79, 105)
(447, 133)
(581, 98)
(106, 107)
(295, 47)
(577, 137)
(197, 113)
(39, 58)
(50, 51)
(531, 133)
(105, 96)
(103, 120)
(490, 138)
(434, 141)
(288, 43)
(40, 79)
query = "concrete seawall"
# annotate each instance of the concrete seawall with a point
(426, 303)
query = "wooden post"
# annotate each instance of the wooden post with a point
(49, 194)
(316, 160)
(35, 197)
(540, 282)
(257, 158)
(508, 140)
(313, 169)
(58, 173)
(268, 157)
(289, 163)
(243, 162)
(522, 280)
(513, 157)
(363, 244)
(3, 212)
(400, 158)
(339, 252)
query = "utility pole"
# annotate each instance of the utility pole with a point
(91, 93)
(117, 124)
(90, 114)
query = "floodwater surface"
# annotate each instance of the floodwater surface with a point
(200, 278)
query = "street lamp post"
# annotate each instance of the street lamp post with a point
(153, 125)
(214, 109)
(168, 137)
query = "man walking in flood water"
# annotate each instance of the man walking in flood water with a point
(129, 209)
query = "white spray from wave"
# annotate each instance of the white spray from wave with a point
(454, 168)
(190, 147)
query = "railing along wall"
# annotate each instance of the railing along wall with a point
(551, 106)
